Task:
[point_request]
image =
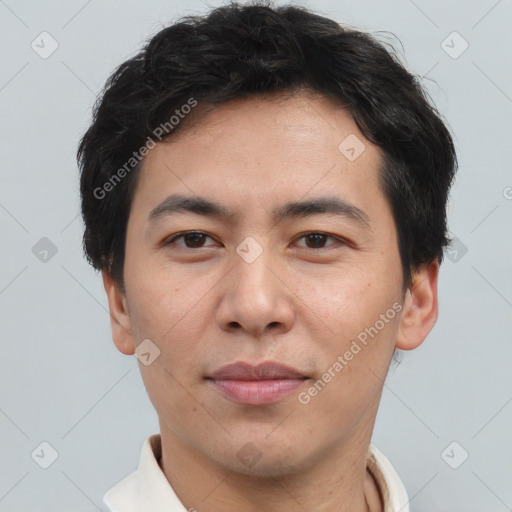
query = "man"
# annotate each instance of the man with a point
(264, 192)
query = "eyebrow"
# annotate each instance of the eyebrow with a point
(176, 203)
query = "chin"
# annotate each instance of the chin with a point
(274, 466)
(264, 458)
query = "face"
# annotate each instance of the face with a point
(293, 276)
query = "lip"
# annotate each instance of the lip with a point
(262, 384)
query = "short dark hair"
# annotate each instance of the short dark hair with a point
(237, 51)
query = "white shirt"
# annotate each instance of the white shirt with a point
(148, 490)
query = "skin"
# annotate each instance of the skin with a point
(300, 302)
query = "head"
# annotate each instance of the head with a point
(315, 174)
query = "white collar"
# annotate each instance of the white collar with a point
(148, 490)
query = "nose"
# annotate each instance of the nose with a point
(256, 298)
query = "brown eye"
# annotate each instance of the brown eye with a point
(192, 239)
(317, 240)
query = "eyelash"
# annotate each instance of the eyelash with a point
(340, 241)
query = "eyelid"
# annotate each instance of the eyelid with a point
(182, 234)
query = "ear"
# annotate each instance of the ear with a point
(420, 310)
(119, 316)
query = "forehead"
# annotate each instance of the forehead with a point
(260, 150)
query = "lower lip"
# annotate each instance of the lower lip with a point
(256, 392)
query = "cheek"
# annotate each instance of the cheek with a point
(362, 320)
(173, 314)
(340, 302)
(354, 367)
(158, 300)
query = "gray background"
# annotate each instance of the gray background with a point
(63, 381)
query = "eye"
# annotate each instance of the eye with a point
(192, 239)
(317, 239)
(196, 239)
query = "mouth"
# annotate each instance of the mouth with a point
(263, 384)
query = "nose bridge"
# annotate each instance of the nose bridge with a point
(254, 298)
(253, 274)
(253, 287)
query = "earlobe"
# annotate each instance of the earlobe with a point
(420, 310)
(119, 316)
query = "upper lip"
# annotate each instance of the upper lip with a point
(268, 370)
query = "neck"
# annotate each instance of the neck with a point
(336, 481)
